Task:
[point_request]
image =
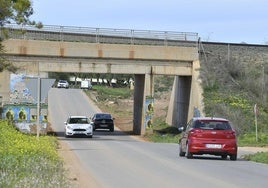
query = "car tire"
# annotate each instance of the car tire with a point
(224, 157)
(188, 154)
(233, 157)
(90, 136)
(181, 153)
(112, 129)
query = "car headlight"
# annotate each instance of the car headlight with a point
(69, 127)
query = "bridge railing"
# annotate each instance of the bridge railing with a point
(100, 35)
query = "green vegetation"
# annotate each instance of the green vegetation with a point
(161, 132)
(109, 93)
(29, 161)
(249, 139)
(260, 157)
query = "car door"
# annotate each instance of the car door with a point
(184, 136)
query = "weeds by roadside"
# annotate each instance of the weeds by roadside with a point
(28, 161)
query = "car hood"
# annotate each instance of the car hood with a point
(82, 126)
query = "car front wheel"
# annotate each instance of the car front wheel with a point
(182, 154)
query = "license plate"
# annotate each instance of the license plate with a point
(214, 146)
(79, 132)
(102, 125)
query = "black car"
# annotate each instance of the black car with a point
(102, 121)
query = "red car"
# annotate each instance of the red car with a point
(208, 135)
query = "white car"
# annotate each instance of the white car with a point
(78, 125)
(63, 84)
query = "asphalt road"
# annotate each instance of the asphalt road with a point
(117, 160)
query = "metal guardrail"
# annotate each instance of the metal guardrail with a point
(98, 35)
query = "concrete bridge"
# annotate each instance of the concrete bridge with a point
(86, 50)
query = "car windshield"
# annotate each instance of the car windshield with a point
(78, 120)
(103, 116)
(208, 124)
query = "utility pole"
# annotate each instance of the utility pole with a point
(38, 106)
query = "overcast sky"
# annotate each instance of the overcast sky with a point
(231, 21)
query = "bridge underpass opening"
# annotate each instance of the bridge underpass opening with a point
(142, 117)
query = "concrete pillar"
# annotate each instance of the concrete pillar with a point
(143, 88)
(196, 94)
(186, 98)
(148, 103)
(179, 103)
(138, 103)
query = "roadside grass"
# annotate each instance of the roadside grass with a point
(161, 132)
(260, 157)
(28, 161)
(109, 93)
(249, 139)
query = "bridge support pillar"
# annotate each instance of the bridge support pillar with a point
(186, 98)
(179, 103)
(143, 89)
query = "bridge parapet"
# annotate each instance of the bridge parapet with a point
(101, 35)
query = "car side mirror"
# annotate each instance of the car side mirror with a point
(181, 129)
(65, 123)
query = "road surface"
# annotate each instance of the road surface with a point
(117, 160)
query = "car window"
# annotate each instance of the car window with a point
(78, 120)
(207, 124)
(103, 116)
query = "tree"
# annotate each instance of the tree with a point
(18, 11)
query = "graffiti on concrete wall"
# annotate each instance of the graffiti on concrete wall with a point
(149, 110)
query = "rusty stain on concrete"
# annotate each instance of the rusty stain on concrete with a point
(61, 52)
(23, 50)
(131, 54)
(100, 53)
